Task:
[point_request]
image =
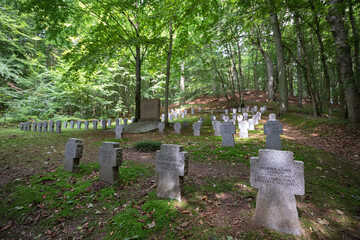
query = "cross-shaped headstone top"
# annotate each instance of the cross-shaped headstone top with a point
(197, 126)
(226, 111)
(171, 157)
(110, 154)
(272, 117)
(73, 148)
(161, 127)
(177, 127)
(118, 131)
(227, 129)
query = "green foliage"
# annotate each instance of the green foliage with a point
(148, 146)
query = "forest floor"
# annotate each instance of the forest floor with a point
(41, 201)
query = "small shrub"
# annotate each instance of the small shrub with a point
(147, 146)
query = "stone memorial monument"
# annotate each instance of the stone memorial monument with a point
(172, 165)
(273, 129)
(110, 158)
(185, 124)
(278, 177)
(73, 153)
(150, 110)
(227, 129)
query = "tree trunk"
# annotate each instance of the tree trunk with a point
(283, 90)
(256, 80)
(298, 68)
(356, 44)
(182, 83)
(346, 71)
(138, 84)
(222, 82)
(167, 81)
(242, 84)
(290, 77)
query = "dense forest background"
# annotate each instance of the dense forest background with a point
(95, 59)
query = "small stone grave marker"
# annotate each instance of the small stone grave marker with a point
(226, 112)
(172, 166)
(86, 125)
(192, 111)
(217, 128)
(103, 123)
(196, 128)
(185, 111)
(79, 124)
(117, 121)
(161, 127)
(45, 126)
(239, 118)
(200, 109)
(110, 158)
(34, 125)
(73, 153)
(65, 124)
(51, 126)
(95, 123)
(22, 126)
(251, 124)
(163, 117)
(246, 116)
(244, 127)
(125, 121)
(228, 130)
(39, 126)
(273, 129)
(72, 124)
(185, 124)
(109, 122)
(278, 178)
(177, 127)
(119, 131)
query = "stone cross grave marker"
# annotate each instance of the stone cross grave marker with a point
(78, 124)
(217, 128)
(255, 108)
(117, 121)
(185, 111)
(58, 126)
(243, 110)
(86, 125)
(110, 158)
(247, 109)
(199, 109)
(244, 127)
(103, 123)
(172, 165)
(170, 117)
(185, 124)
(51, 126)
(39, 126)
(246, 116)
(163, 117)
(239, 118)
(22, 126)
(227, 130)
(125, 121)
(256, 119)
(234, 110)
(251, 124)
(273, 129)
(196, 128)
(233, 116)
(72, 124)
(34, 125)
(226, 112)
(95, 123)
(161, 127)
(119, 131)
(175, 116)
(177, 127)
(65, 124)
(192, 111)
(73, 153)
(45, 126)
(252, 111)
(133, 119)
(109, 122)
(182, 115)
(278, 178)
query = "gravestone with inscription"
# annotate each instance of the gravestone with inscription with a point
(119, 131)
(273, 129)
(95, 123)
(150, 110)
(51, 126)
(58, 126)
(227, 129)
(177, 127)
(110, 158)
(86, 125)
(278, 178)
(39, 126)
(244, 127)
(196, 128)
(161, 127)
(73, 153)
(103, 123)
(72, 124)
(172, 165)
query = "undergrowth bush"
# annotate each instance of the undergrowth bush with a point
(147, 146)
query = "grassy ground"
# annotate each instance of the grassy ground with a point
(40, 201)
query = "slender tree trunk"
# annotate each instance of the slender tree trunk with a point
(138, 84)
(290, 77)
(167, 81)
(298, 68)
(182, 83)
(343, 111)
(233, 72)
(345, 62)
(256, 80)
(270, 71)
(242, 85)
(283, 89)
(356, 43)
(222, 82)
